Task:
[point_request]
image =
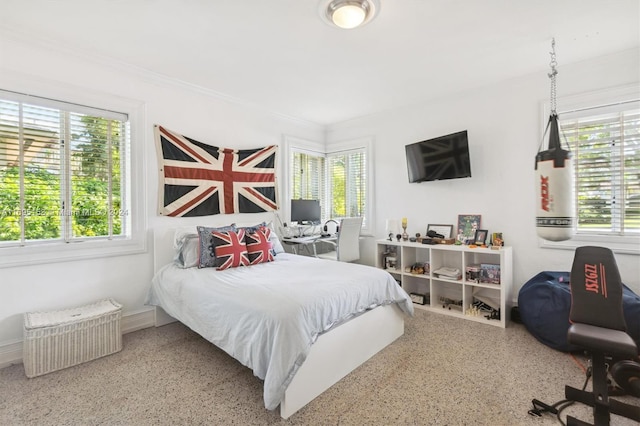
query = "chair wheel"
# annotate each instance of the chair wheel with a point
(627, 375)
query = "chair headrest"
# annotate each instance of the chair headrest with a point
(596, 289)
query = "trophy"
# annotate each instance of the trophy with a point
(405, 236)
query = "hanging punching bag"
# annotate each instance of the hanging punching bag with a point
(555, 200)
(555, 220)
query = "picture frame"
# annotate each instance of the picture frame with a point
(480, 237)
(467, 226)
(445, 230)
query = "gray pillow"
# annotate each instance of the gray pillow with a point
(273, 239)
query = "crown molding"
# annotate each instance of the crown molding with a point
(21, 37)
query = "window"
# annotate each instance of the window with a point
(308, 176)
(605, 142)
(603, 131)
(339, 178)
(64, 175)
(347, 179)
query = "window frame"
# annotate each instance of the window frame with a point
(623, 244)
(59, 250)
(293, 144)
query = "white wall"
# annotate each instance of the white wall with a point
(505, 124)
(199, 115)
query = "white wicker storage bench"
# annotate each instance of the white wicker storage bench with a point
(59, 339)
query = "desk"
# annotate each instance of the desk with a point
(305, 241)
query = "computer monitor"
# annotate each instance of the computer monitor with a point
(305, 211)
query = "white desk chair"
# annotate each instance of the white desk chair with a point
(347, 245)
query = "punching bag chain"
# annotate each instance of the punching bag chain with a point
(552, 75)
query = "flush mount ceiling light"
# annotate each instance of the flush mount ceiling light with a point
(348, 14)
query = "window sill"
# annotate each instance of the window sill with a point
(65, 252)
(619, 245)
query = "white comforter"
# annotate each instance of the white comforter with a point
(267, 316)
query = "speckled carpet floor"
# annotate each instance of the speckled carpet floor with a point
(443, 371)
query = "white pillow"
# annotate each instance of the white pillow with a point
(188, 255)
(181, 234)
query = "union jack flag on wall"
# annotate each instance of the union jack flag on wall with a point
(199, 179)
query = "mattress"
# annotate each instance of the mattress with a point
(267, 316)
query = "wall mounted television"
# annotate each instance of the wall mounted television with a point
(444, 157)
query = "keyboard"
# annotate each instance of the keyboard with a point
(302, 239)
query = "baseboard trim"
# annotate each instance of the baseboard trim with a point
(11, 352)
(134, 321)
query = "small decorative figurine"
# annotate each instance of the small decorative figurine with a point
(399, 236)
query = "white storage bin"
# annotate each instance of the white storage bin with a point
(59, 339)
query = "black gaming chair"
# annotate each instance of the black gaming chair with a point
(598, 326)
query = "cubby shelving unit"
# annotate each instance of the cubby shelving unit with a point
(450, 296)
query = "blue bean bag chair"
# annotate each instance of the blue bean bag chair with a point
(544, 303)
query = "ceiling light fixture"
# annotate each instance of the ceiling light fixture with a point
(348, 14)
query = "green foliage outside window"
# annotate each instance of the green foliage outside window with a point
(94, 178)
(41, 218)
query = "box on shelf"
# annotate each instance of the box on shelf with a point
(391, 262)
(59, 339)
(444, 240)
(490, 273)
(473, 273)
(419, 298)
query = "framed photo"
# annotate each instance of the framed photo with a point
(481, 237)
(445, 230)
(467, 226)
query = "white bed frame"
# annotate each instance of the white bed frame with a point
(334, 355)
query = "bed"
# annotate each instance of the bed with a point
(300, 323)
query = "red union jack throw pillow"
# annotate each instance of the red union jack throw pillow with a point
(231, 250)
(201, 179)
(259, 247)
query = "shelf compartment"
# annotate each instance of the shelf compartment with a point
(389, 257)
(489, 298)
(447, 296)
(445, 258)
(415, 256)
(416, 284)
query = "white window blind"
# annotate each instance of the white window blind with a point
(63, 171)
(605, 142)
(308, 179)
(308, 174)
(347, 175)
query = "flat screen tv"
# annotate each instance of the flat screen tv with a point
(445, 157)
(305, 211)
